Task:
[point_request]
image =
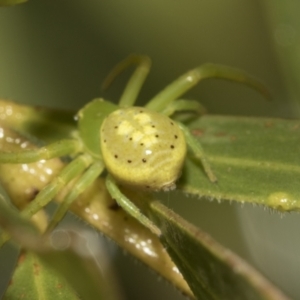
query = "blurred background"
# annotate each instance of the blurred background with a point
(56, 54)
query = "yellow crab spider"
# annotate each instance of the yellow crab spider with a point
(140, 147)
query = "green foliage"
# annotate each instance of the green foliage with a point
(255, 160)
(61, 259)
(35, 280)
(238, 157)
(212, 271)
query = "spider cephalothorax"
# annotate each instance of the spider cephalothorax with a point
(140, 147)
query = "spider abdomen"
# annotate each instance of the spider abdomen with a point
(142, 148)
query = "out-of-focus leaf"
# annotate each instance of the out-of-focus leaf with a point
(35, 280)
(10, 215)
(72, 253)
(66, 251)
(11, 2)
(284, 25)
(212, 271)
(43, 124)
(255, 160)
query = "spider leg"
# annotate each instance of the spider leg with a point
(129, 207)
(80, 186)
(191, 78)
(136, 80)
(184, 105)
(198, 151)
(73, 169)
(57, 149)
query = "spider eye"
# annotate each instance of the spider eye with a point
(142, 148)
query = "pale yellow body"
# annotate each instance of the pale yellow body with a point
(142, 148)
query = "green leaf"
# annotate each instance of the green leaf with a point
(243, 152)
(43, 124)
(255, 160)
(10, 215)
(35, 280)
(212, 271)
(95, 206)
(11, 2)
(72, 253)
(98, 209)
(64, 253)
(198, 257)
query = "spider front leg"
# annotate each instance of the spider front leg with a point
(165, 101)
(193, 77)
(72, 170)
(57, 149)
(80, 186)
(182, 105)
(129, 206)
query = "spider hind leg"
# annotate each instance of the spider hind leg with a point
(129, 206)
(198, 152)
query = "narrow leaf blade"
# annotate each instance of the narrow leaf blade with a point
(35, 280)
(255, 160)
(212, 271)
